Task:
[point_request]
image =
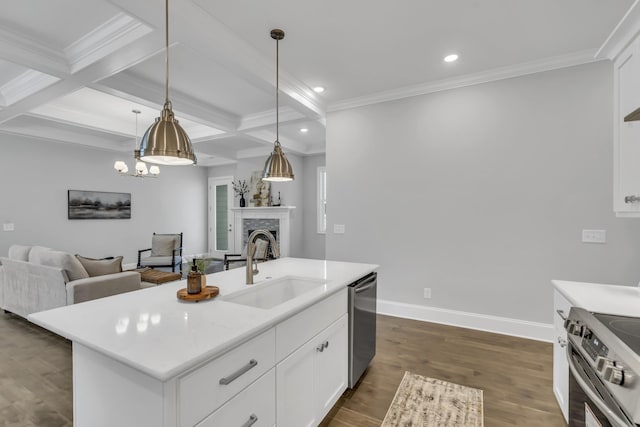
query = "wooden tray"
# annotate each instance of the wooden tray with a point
(207, 292)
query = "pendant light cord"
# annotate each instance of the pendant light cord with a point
(278, 91)
(166, 56)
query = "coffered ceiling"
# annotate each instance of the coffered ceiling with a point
(71, 71)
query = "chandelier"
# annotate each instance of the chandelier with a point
(141, 170)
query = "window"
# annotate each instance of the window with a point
(322, 199)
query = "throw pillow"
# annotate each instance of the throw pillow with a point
(34, 253)
(100, 267)
(19, 252)
(163, 244)
(66, 261)
(261, 249)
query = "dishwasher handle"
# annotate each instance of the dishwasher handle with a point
(365, 283)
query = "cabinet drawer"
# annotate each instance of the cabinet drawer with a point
(201, 392)
(297, 330)
(256, 403)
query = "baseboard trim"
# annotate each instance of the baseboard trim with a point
(501, 325)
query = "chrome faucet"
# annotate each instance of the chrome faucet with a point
(251, 248)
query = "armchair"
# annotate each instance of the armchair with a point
(166, 251)
(260, 254)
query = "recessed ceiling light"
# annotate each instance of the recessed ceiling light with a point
(451, 58)
(304, 130)
(318, 89)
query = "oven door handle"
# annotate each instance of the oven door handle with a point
(588, 390)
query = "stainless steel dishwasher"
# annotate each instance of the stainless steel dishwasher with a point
(362, 325)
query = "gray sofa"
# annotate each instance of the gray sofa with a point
(34, 279)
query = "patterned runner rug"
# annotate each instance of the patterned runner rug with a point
(426, 402)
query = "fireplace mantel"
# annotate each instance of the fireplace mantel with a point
(280, 213)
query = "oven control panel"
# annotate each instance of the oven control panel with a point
(593, 346)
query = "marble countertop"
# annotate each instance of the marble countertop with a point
(601, 298)
(154, 332)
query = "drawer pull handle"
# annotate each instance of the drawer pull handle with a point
(252, 420)
(632, 199)
(228, 380)
(561, 314)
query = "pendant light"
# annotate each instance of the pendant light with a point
(141, 170)
(165, 142)
(277, 167)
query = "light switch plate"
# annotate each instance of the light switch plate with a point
(594, 236)
(8, 226)
(338, 228)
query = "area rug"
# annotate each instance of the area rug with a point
(427, 402)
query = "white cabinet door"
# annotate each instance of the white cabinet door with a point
(312, 379)
(626, 134)
(331, 365)
(295, 376)
(561, 309)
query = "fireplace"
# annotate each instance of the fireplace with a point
(277, 220)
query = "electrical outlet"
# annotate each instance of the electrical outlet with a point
(427, 293)
(594, 236)
(338, 228)
(8, 226)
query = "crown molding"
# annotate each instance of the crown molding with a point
(626, 30)
(27, 83)
(21, 49)
(548, 64)
(109, 37)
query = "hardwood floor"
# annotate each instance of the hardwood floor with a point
(515, 374)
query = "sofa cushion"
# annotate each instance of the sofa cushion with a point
(19, 252)
(101, 267)
(164, 244)
(66, 261)
(34, 253)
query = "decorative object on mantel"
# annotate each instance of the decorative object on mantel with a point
(207, 292)
(165, 142)
(98, 205)
(260, 190)
(141, 167)
(278, 202)
(277, 167)
(240, 188)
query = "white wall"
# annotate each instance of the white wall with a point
(481, 193)
(313, 245)
(291, 193)
(35, 176)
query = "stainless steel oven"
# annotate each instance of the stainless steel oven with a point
(604, 389)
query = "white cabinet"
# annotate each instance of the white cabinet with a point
(311, 380)
(560, 364)
(626, 153)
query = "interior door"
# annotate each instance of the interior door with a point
(220, 216)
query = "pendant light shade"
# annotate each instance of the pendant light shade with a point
(277, 168)
(165, 142)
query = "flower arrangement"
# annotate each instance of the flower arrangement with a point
(240, 188)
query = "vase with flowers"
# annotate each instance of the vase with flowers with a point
(241, 188)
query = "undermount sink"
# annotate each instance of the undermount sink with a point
(275, 292)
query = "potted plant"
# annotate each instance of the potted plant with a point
(241, 188)
(197, 278)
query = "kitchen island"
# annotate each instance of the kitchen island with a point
(146, 358)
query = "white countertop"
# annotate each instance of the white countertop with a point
(154, 332)
(601, 298)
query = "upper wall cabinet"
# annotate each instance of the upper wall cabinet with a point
(626, 154)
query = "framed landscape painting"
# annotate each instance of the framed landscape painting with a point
(98, 205)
